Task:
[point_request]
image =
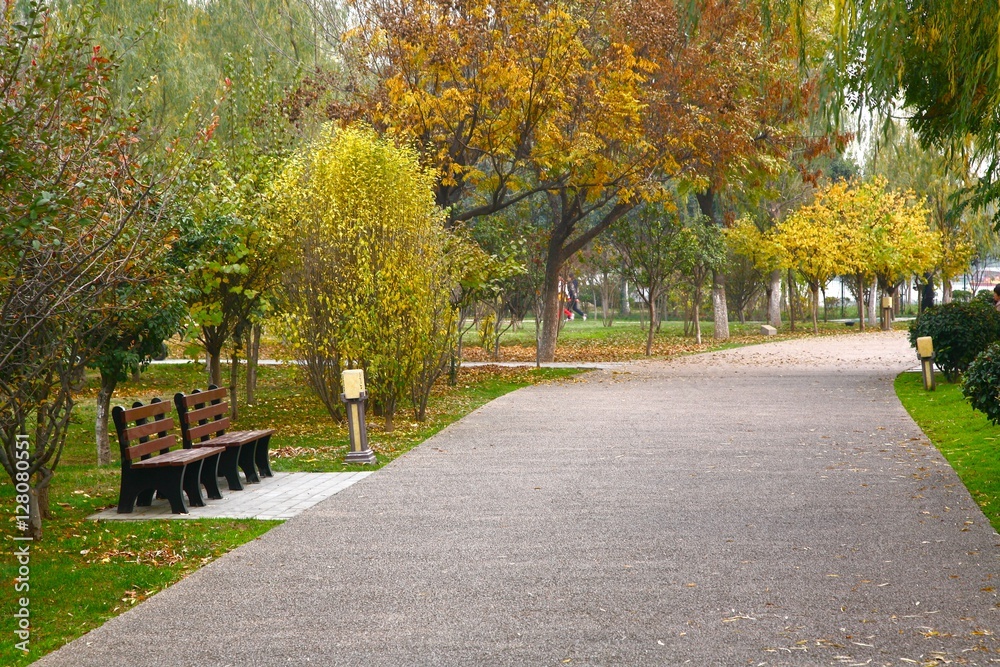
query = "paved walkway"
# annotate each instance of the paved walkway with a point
(283, 496)
(771, 505)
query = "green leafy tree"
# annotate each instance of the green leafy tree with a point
(940, 179)
(178, 52)
(80, 197)
(648, 242)
(148, 311)
(701, 250)
(225, 247)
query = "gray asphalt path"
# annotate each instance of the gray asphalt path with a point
(771, 505)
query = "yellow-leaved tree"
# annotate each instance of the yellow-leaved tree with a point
(873, 236)
(370, 268)
(813, 247)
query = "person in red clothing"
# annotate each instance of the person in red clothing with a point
(573, 297)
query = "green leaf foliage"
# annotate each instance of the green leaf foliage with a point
(937, 59)
(981, 383)
(960, 331)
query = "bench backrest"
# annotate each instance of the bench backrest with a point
(203, 414)
(134, 426)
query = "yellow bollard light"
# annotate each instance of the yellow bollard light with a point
(925, 350)
(355, 397)
(886, 313)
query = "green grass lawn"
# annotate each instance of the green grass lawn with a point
(965, 437)
(84, 572)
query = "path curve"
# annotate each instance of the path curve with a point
(768, 505)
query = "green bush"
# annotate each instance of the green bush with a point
(981, 384)
(961, 331)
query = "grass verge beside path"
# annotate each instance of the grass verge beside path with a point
(969, 442)
(84, 572)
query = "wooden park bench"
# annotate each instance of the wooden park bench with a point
(204, 418)
(150, 465)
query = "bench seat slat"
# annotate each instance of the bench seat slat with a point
(160, 426)
(236, 438)
(204, 396)
(178, 457)
(198, 431)
(146, 411)
(208, 412)
(143, 448)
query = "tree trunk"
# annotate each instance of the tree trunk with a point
(551, 318)
(652, 327)
(815, 308)
(215, 369)
(108, 384)
(861, 302)
(792, 294)
(696, 316)
(774, 302)
(626, 307)
(873, 304)
(720, 310)
(945, 291)
(34, 527)
(604, 300)
(234, 378)
(213, 342)
(38, 504)
(253, 356)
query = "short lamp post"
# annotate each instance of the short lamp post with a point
(925, 349)
(355, 397)
(886, 313)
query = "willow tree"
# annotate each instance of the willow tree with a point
(177, 51)
(940, 179)
(368, 280)
(938, 61)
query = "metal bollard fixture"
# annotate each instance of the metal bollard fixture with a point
(925, 349)
(355, 397)
(886, 313)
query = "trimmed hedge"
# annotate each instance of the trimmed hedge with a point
(961, 331)
(981, 384)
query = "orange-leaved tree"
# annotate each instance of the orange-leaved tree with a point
(741, 78)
